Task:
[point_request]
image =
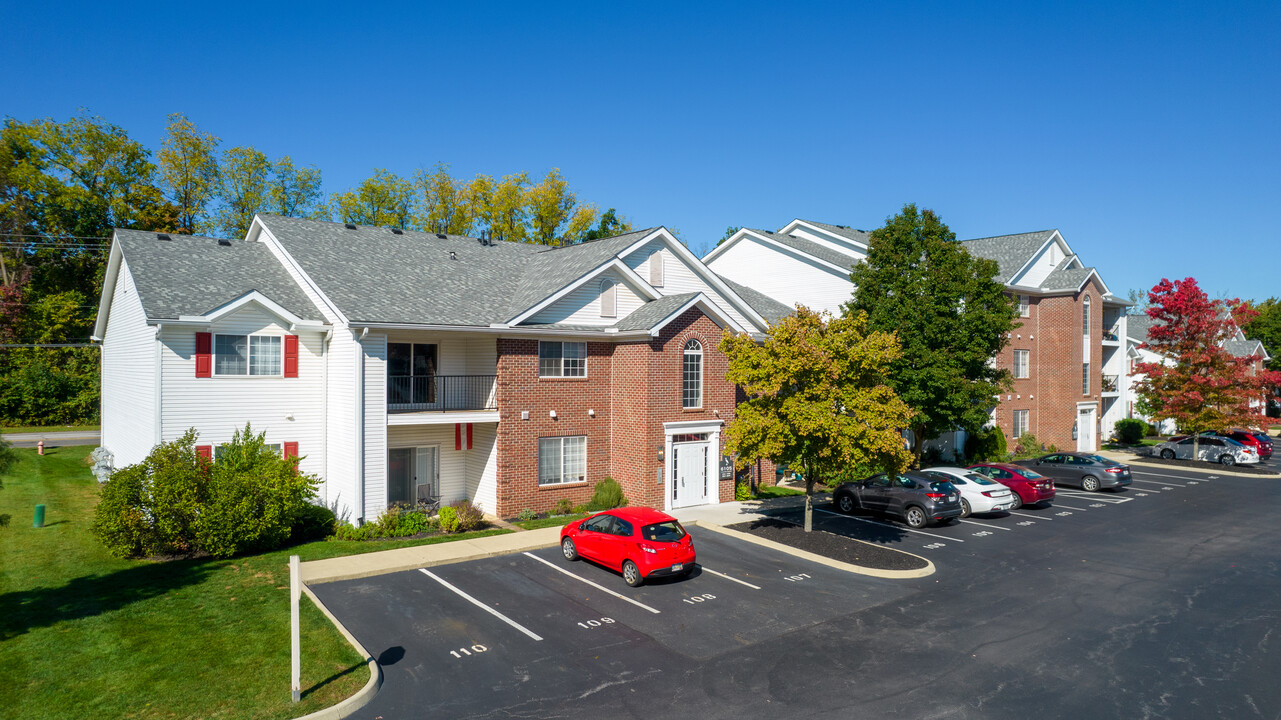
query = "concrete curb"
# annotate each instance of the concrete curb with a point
(1213, 468)
(363, 695)
(351, 567)
(926, 571)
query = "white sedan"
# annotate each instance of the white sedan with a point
(979, 494)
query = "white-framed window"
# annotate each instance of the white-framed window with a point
(259, 355)
(562, 460)
(1085, 316)
(1021, 365)
(656, 268)
(608, 298)
(692, 375)
(1085, 378)
(562, 359)
(1025, 305)
(220, 450)
(1020, 423)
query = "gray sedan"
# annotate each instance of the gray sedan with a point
(1086, 471)
(1222, 450)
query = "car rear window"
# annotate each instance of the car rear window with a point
(940, 486)
(980, 480)
(670, 531)
(1031, 475)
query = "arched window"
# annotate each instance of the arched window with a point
(1085, 316)
(608, 298)
(692, 375)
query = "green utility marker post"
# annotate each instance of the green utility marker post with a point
(39, 520)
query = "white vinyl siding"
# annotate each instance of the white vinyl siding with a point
(217, 407)
(340, 442)
(375, 441)
(128, 376)
(582, 306)
(784, 275)
(679, 278)
(464, 474)
(1041, 267)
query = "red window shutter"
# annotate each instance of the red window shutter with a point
(204, 355)
(291, 450)
(291, 356)
(205, 451)
(458, 436)
(469, 436)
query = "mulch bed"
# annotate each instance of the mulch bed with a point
(830, 545)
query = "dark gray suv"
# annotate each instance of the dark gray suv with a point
(918, 499)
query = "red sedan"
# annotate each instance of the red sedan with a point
(638, 542)
(1029, 487)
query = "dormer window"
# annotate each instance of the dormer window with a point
(608, 298)
(656, 268)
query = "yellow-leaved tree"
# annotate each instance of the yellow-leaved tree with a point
(817, 398)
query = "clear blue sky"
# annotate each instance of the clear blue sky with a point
(1148, 133)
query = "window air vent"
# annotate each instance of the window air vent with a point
(163, 236)
(452, 255)
(349, 226)
(224, 242)
(397, 231)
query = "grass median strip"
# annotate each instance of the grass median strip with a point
(85, 635)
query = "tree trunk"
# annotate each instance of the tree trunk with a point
(1196, 445)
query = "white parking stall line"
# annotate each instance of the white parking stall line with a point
(994, 527)
(1036, 517)
(589, 582)
(888, 525)
(1057, 506)
(732, 579)
(1157, 482)
(480, 604)
(1100, 498)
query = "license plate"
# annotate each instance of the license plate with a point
(677, 567)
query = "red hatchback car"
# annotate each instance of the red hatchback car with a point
(1029, 487)
(639, 542)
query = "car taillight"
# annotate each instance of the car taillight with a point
(1114, 470)
(990, 493)
(936, 496)
(649, 549)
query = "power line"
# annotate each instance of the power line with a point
(56, 237)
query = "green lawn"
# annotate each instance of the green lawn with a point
(553, 521)
(770, 491)
(49, 428)
(85, 635)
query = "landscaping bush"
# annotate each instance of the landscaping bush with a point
(347, 531)
(742, 491)
(1150, 430)
(1027, 447)
(987, 445)
(449, 519)
(469, 516)
(526, 515)
(564, 506)
(579, 510)
(401, 521)
(607, 495)
(313, 522)
(176, 502)
(1130, 431)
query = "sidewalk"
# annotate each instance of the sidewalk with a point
(1130, 458)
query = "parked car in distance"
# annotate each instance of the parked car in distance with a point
(1260, 441)
(917, 498)
(1215, 449)
(979, 493)
(639, 542)
(1029, 488)
(1084, 470)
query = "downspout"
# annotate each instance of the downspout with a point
(360, 426)
(159, 397)
(324, 414)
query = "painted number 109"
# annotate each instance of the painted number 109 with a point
(596, 623)
(473, 650)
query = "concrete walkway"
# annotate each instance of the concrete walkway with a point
(1132, 459)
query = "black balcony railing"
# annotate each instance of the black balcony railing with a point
(441, 392)
(1110, 383)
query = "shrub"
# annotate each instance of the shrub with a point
(742, 491)
(401, 521)
(449, 519)
(526, 514)
(987, 445)
(931, 456)
(1150, 430)
(469, 516)
(564, 506)
(347, 531)
(608, 495)
(151, 508)
(1028, 447)
(580, 509)
(1129, 431)
(313, 522)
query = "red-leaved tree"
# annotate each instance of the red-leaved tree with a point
(1202, 385)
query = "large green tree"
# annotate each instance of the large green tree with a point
(1266, 328)
(384, 199)
(817, 397)
(951, 316)
(243, 183)
(293, 191)
(189, 169)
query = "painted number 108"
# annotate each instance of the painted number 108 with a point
(700, 598)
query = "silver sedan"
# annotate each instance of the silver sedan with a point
(1224, 451)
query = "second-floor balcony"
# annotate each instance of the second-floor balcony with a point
(426, 393)
(1110, 383)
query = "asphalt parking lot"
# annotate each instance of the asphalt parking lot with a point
(1157, 601)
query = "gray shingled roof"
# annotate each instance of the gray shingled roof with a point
(1136, 326)
(1245, 348)
(765, 306)
(858, 236)
(1011, 252)
(551, 269)
(375, 275)
(652, 312)
(809, 247)
(192, 275)
(1063, 278)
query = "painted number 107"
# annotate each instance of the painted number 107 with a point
(797, 578)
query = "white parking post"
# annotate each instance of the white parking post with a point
(295, 591)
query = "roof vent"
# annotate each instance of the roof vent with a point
(224, 242)
(397, 231)
(442, 236)
(349, 226)
(163, 236)
(452, 255)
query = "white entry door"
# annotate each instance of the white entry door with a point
(689, 481)
(1085, 430)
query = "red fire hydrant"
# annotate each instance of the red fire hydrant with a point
(40, 448)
